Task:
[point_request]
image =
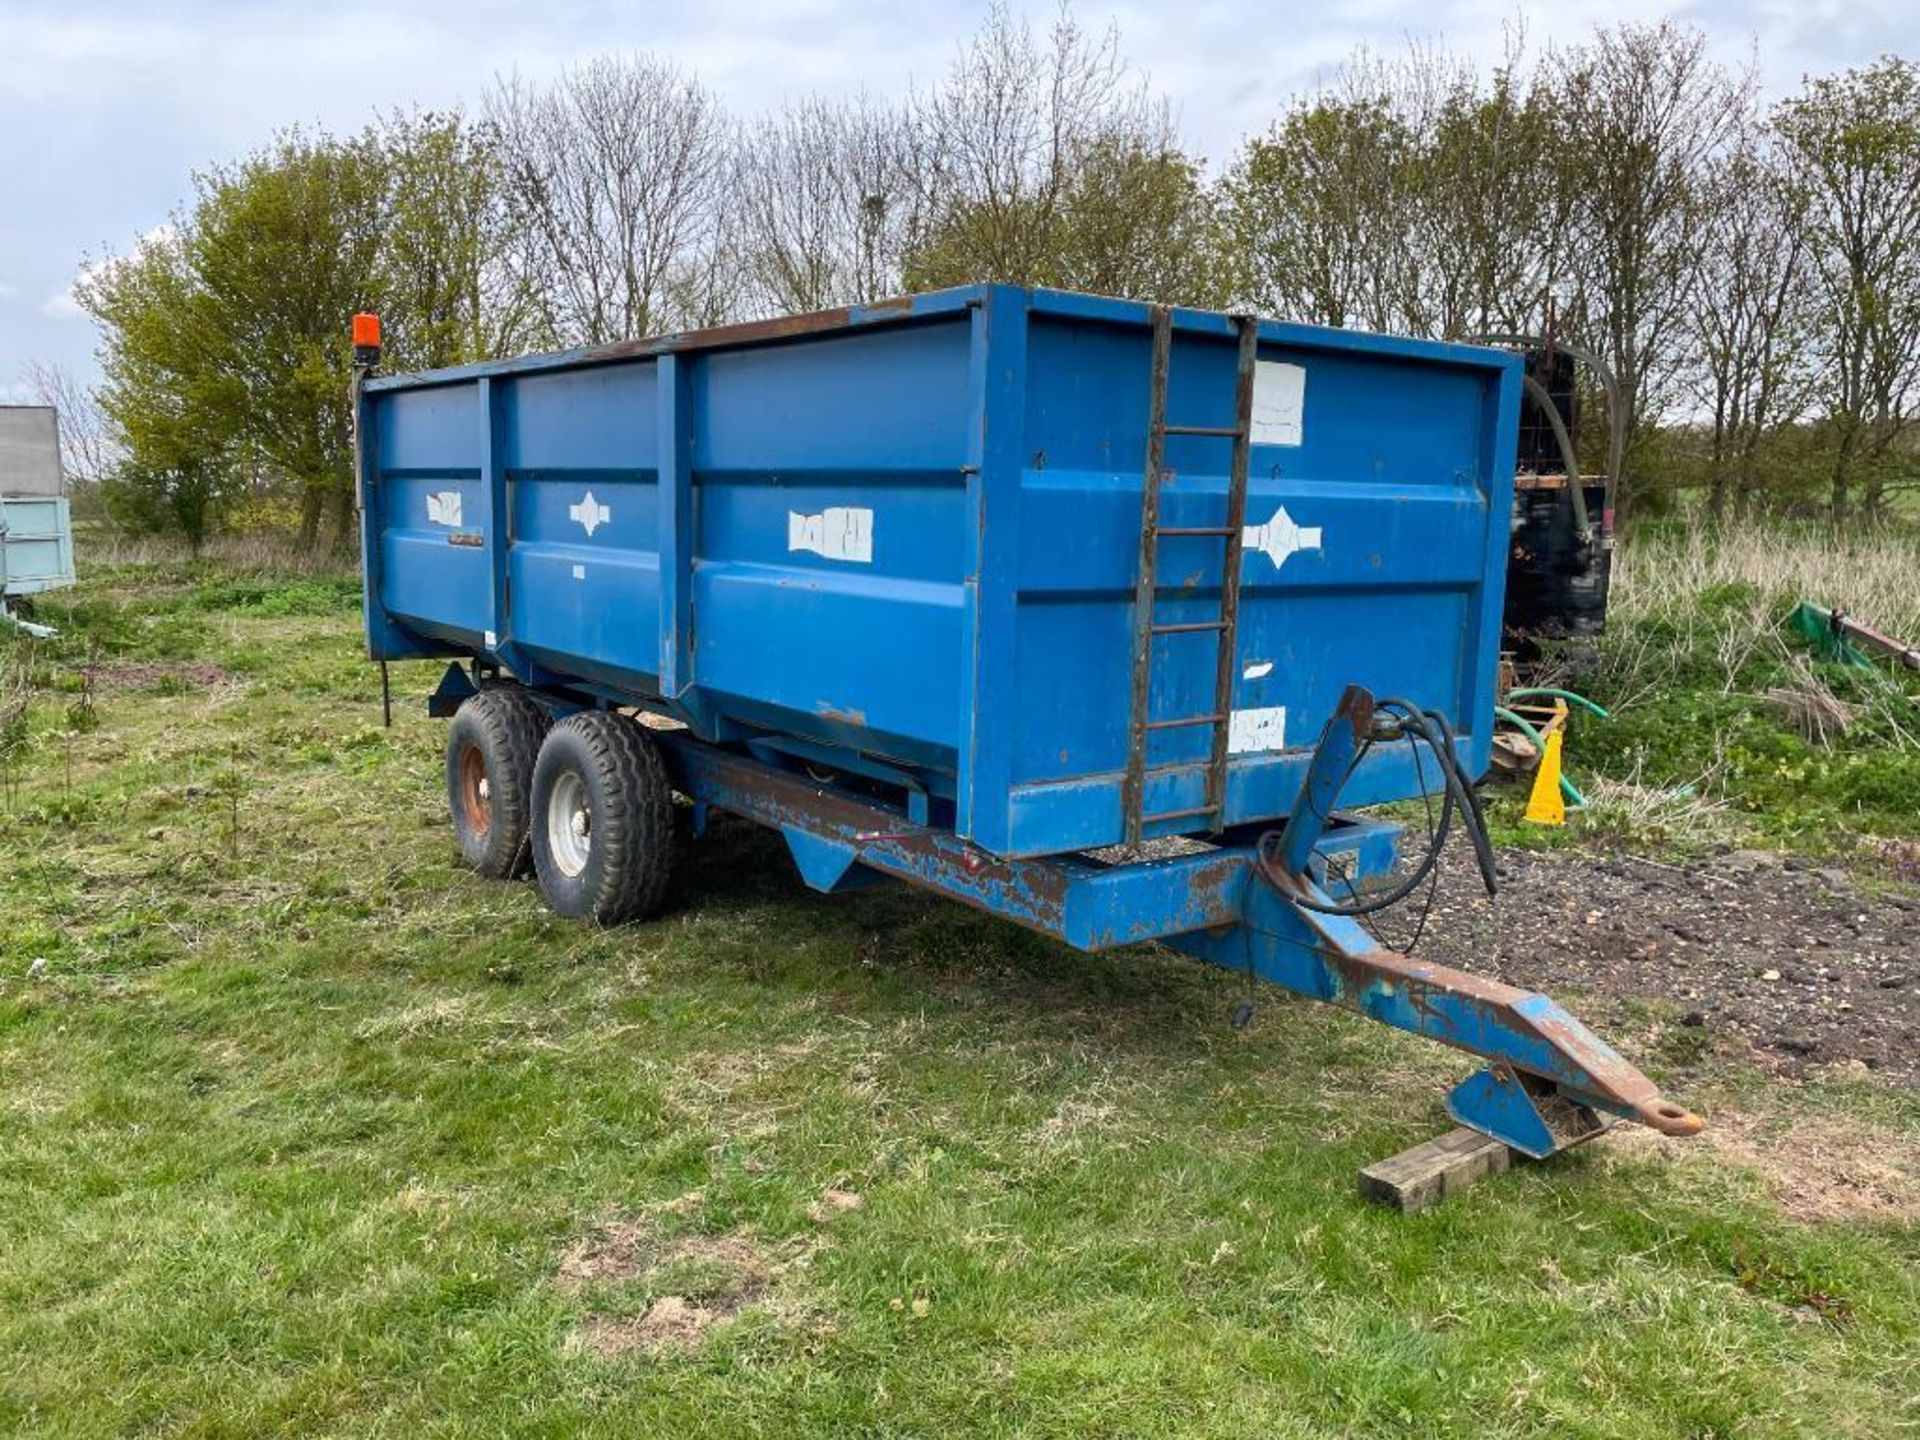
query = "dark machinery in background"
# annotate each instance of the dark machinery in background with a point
(1560, 561)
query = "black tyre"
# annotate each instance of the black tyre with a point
(602, 819)
(491, 749)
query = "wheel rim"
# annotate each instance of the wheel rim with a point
(569, 824)
(476, 791)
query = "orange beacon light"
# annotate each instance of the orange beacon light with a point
(366, 339)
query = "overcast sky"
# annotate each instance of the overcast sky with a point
(106, 108)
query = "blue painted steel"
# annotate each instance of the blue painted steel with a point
(36, 544)
(1333, 759)
(668, 523)
(1494, 1101)
(1366, 849)
(455, 689)
(895, 547)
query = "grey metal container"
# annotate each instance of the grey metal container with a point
(30, 451)
(36, 529)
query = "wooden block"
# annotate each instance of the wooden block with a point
(1425, 1175)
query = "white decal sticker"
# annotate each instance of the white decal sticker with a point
(1258, 670)
(492, 639)
(1262, 729)
(1280, 537)
(590, 513)
(443, 507)
(579, 572)
(838, 532)
(1279, 402)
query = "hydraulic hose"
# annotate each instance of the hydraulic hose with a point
(1418, 727)
(1575, 491)
(1529, 692)
(1476, 815)
(1616, 412)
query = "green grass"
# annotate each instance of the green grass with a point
(300, 1122)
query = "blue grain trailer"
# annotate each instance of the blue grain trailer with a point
(1070, 608)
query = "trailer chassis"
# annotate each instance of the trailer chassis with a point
(1549, 1082)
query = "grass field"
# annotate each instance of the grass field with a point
(305, 1130)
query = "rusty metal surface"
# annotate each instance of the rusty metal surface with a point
(1087, 903)
(1227, 668)
(1032, 892)
(1225, 628)
(1133, 792)
(1874, 639)
(1462, 1009)
(744, 333)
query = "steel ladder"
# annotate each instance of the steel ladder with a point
(1146, 628)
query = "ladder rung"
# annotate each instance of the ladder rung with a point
(1147, 588)
(1173, 767)
(1176, 814)
(1185, 720)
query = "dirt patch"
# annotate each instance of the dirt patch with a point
(1791, 958)
(108, 676)
(1900, 859)
(1816, 1167)
(833, 1202)
(690, 1283)
(1073, 1120)
(670, 1323)
(620, 1250)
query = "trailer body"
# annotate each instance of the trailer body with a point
(910, 533)
(963, 590)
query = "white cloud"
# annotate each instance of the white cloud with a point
(65, 304)
(7, 288)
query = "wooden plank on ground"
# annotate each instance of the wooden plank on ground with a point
(1425, 1175)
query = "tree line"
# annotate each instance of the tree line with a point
(1750, 273)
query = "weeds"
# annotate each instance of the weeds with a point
(1807, 704)
(1871, 574)
(1724, 727)
(16, 700)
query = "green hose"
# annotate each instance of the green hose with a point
(1526, 728)
(1566, 695)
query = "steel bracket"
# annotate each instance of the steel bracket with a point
(455, 688)
(1533, 1116)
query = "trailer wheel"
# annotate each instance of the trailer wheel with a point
(491, 748)
(602, 819)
